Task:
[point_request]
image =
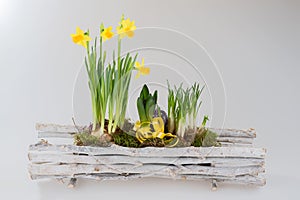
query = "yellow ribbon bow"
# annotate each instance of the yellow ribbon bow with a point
(154, 129)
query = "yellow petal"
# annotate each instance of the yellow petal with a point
(80, 38)
(137, 64)
(144, 70)
(126, 28)
(79, 31)
(83, 43)
(130, 34)
(77, 38)
(143, 62)
(87, 38)
(138, 75)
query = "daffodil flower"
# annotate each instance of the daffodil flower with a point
(80, 37)
(126, 28)
(107, 33)
(142, 70)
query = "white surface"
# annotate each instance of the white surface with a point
(255, 44)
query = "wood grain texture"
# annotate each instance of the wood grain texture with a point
(54, 158)
(240, 152)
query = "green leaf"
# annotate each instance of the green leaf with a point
(145, 92)
(205, 119)
(150, 108)
(155, 96)
(141, 110)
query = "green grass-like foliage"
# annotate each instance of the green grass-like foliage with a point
(108, 84)
(183, 108)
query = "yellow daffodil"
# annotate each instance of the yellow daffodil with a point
(107, 33)
(80, 37)
(142, 70)
(126, 28)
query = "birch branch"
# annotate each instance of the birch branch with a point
(248, 152)
(246, 179)
(235, 140)
(70, 169)
(250, 133)
(41, 158)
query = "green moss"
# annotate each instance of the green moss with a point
(129, 140)
(86, 139)
(205, 138)
(125, 140)
(197, 141)
(153, 142)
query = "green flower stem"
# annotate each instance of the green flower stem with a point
(119, 56)
(108, 85)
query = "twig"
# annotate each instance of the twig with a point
(75, 124)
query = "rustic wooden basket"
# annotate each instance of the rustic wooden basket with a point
(237, 161)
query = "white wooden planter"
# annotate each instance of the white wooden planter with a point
(237, 161)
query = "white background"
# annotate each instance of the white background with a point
(255, 44)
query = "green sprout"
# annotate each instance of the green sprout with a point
(183, 108)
